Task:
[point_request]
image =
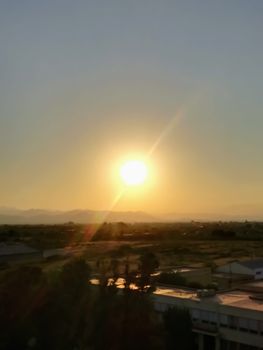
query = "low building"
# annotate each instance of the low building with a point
(227, 320)
(252, 268)
(18, 252)
(201, 275)
(230, 280)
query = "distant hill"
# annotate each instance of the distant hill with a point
(15, 216)
(206, 217)
(40, 216)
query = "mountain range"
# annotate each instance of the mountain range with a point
(41, 216)
(13, 216)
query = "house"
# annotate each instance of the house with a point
(252, 268)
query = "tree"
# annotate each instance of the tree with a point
(178, 327)
(148, 263)
(65, 319)
(75, 277)
(125, 321)
(22, 294)
(172, 278)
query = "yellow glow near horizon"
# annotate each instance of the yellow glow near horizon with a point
(134, 172)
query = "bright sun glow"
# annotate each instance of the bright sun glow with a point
(134, 172)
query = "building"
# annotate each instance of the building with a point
(225, 281)
(227, 320)
(201, 275)
(252, 268)
(16, 252)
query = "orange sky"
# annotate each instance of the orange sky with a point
(85, 85)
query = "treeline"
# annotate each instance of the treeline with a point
(57, 236)
(63, 310)
(185, 231)
(47, 236)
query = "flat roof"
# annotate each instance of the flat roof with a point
(240, 299)
(252, 264)
(15, 249)
(236, 298)
(176, 292)
(185, 269)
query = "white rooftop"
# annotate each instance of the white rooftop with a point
(236, 298)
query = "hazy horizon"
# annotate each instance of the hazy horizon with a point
(11, 215)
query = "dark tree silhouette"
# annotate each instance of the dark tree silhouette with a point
(147, 266)
(178, 327)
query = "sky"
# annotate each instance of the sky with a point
(85, 85)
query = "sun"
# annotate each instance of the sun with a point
(133, 172)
